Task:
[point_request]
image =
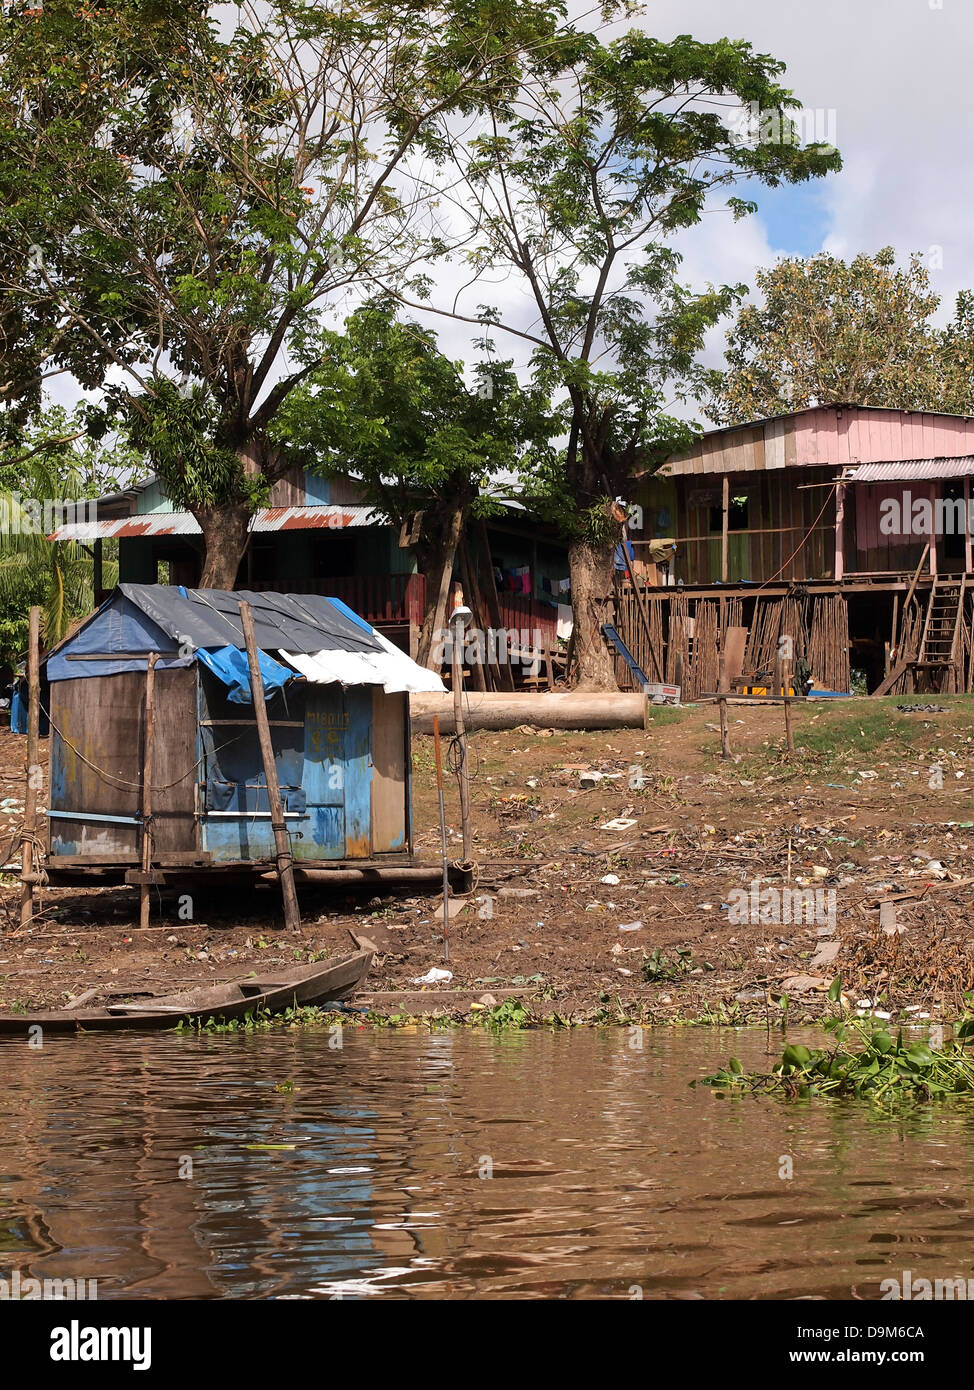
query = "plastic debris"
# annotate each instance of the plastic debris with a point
(434, 976)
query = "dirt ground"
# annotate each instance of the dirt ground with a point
(641, 894)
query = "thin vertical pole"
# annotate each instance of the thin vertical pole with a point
(461, 736)
(285, 865)
(724, 527)
(27, 871)
(839, 531)
(725, 750)
(443, 849)
(145, 886)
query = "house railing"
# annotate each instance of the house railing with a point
(401, 598)
(378, 598)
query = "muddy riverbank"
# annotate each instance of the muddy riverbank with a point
(625, 874)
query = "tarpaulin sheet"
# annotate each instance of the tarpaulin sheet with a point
(211, 618)
(231, 666)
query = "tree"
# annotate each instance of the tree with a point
(56, 466)
(204, 195)
(854, 332)
(574, 191)
(388, 404)
(955, 359)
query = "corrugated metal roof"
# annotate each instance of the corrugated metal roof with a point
(321, 638)
(911, 470)
(313, 518)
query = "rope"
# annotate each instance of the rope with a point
(802, 542)
(123, 782)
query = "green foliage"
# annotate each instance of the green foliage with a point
(52, 460)
(389, 404)
(833, 331)
(509, 1014)
(179, 433)
(609, 151)
(864, 1062)
(659, 966)
(187, 191)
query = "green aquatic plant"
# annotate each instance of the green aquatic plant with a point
(863, 1062)
(510, 1014)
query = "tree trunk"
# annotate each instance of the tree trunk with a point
(225, 534)
(590, 568)
(436, 562)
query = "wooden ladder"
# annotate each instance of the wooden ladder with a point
(937, 657)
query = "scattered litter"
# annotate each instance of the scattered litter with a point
(620, 823)
(804, 984)
(611, 879)
(630, 926)
(434, 976)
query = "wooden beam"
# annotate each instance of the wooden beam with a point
(724, 526)
(285, 863)
(968, 565)
(145, 882)
(839, 569)
(33, 767)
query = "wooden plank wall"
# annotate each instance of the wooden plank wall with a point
(96, 762)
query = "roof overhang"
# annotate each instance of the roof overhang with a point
(910, 471)
(314, 518)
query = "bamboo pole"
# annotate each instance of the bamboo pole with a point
(789, 732)
(640, 604)
(145, 885)
(724, 527)
(725, 749)
(443, 849)
(285, 864)
(27, 873)
(461, 735)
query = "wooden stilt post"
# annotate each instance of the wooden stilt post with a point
(789, 732)
(443, 848)
(725, 749)
(285, 866)
(839, 569)
(461, 735)
(27, 871)
(145, 882)
(724, 528)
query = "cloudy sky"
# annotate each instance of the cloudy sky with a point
(897, 76)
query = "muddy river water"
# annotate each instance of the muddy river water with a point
(456, 1164)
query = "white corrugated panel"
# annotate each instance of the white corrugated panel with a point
(911, 470)
(392, 669)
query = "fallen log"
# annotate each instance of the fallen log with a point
(538, 710)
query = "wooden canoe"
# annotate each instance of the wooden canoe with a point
(266, 991)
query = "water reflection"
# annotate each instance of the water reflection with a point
(458, 1165)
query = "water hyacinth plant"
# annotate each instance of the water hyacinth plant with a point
(863, 1061)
